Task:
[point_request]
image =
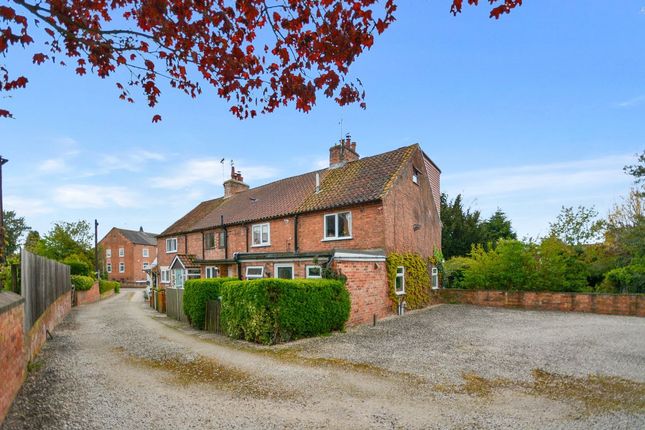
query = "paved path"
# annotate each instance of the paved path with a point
(119, 365)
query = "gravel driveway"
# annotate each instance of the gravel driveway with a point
(117, 364)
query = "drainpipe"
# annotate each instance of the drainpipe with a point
(246, 228)
(239, 266)
(221, 221)
(295, 233)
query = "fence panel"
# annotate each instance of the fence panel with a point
(213, 312)
(42, 282)
(175, 304)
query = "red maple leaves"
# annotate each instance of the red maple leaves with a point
(505, 7)
(256, 54)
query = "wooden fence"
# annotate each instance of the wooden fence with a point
(213, 313)
(175, 304)
(42, 282)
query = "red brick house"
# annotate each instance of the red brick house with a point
(127, 254)
(348, 217)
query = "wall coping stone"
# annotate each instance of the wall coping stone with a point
(9, 300)
(577, 293)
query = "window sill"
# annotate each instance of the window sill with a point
(261, 246)
(171, 252)
(400, 293)
(331, 239)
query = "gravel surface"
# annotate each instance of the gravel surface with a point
(119, 365)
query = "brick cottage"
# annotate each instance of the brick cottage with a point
(347, 217)
(128, 255)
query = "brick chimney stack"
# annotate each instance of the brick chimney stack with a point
(235, 184)
(343, 152)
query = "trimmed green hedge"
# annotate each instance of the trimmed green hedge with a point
(82, 283)
(105, 286)
(277, 310)
(196, 293)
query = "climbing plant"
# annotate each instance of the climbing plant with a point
(417, 279)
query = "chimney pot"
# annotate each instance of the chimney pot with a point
(343, 153)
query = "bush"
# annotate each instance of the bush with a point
(276, 310)
(105, 286)
(628, 279)
(196, 293)
(82, 283)
(77, 266)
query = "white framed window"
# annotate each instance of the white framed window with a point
(261, 235)
(171, 245)
(399, 281)
(435, 278)
(108, 267)
(165, 275)
(222, 240)
(145, 265)
(283, 271)
(313, 272)
(146, 252)
(121, 267)
(209, 240)
(211, 272)
(338, 226)
(254, 272)
(121, 252)
(415, 175)
(194, 273)
(108, 253)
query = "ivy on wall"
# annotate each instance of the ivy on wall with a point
(417, 279)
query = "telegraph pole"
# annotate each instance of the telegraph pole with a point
(96, 248)
(3, 258)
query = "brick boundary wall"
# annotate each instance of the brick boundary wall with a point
(368, 287)
(54, 315)
(90, 296)
(609, 304)
(12, 351)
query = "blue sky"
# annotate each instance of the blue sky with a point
(538, 110)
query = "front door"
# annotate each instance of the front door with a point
(283, 271)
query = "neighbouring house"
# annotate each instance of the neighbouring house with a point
(347, 217)
(128, 255)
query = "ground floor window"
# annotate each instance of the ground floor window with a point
(165, 276)
(211, 272)
(109, 268)
(399, 283)
(284, 271)
(313, 272)
(121, 267)
(254, 272)
(194, 273)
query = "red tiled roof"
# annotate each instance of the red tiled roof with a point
(364, 180)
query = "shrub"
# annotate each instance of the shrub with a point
(105, 286)
(276, 310)
(417, 279)
(628, 279)
(196, 293)
(82, 283)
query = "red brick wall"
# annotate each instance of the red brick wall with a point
(90, 296)
(53, 316)
(368, 288)
(12, 356)
(611, 304)
(407, 204)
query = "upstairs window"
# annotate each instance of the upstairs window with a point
(121, 252)
(261, 235)
(209, 240)
(222, 240)
(171, 245)
(415, 175)
(399, 281)
(338, 226)
(146, 252)
(254, 272)
(108, 253)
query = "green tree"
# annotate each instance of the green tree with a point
(67, 239)
(32, 241)
(461, 228)
(497, 227)
(577, 226)
(637, 170)
(625, 234)
(14, 228)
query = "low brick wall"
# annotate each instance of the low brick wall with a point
(12, 351)
(108, 293)
(610, 304)
(90, 296)
(53, 316)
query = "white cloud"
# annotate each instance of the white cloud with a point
(53, 165)
(633, 102)
(133, 161)
(552, 177)
(210, 171)
(95, 196)
(26, 206)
